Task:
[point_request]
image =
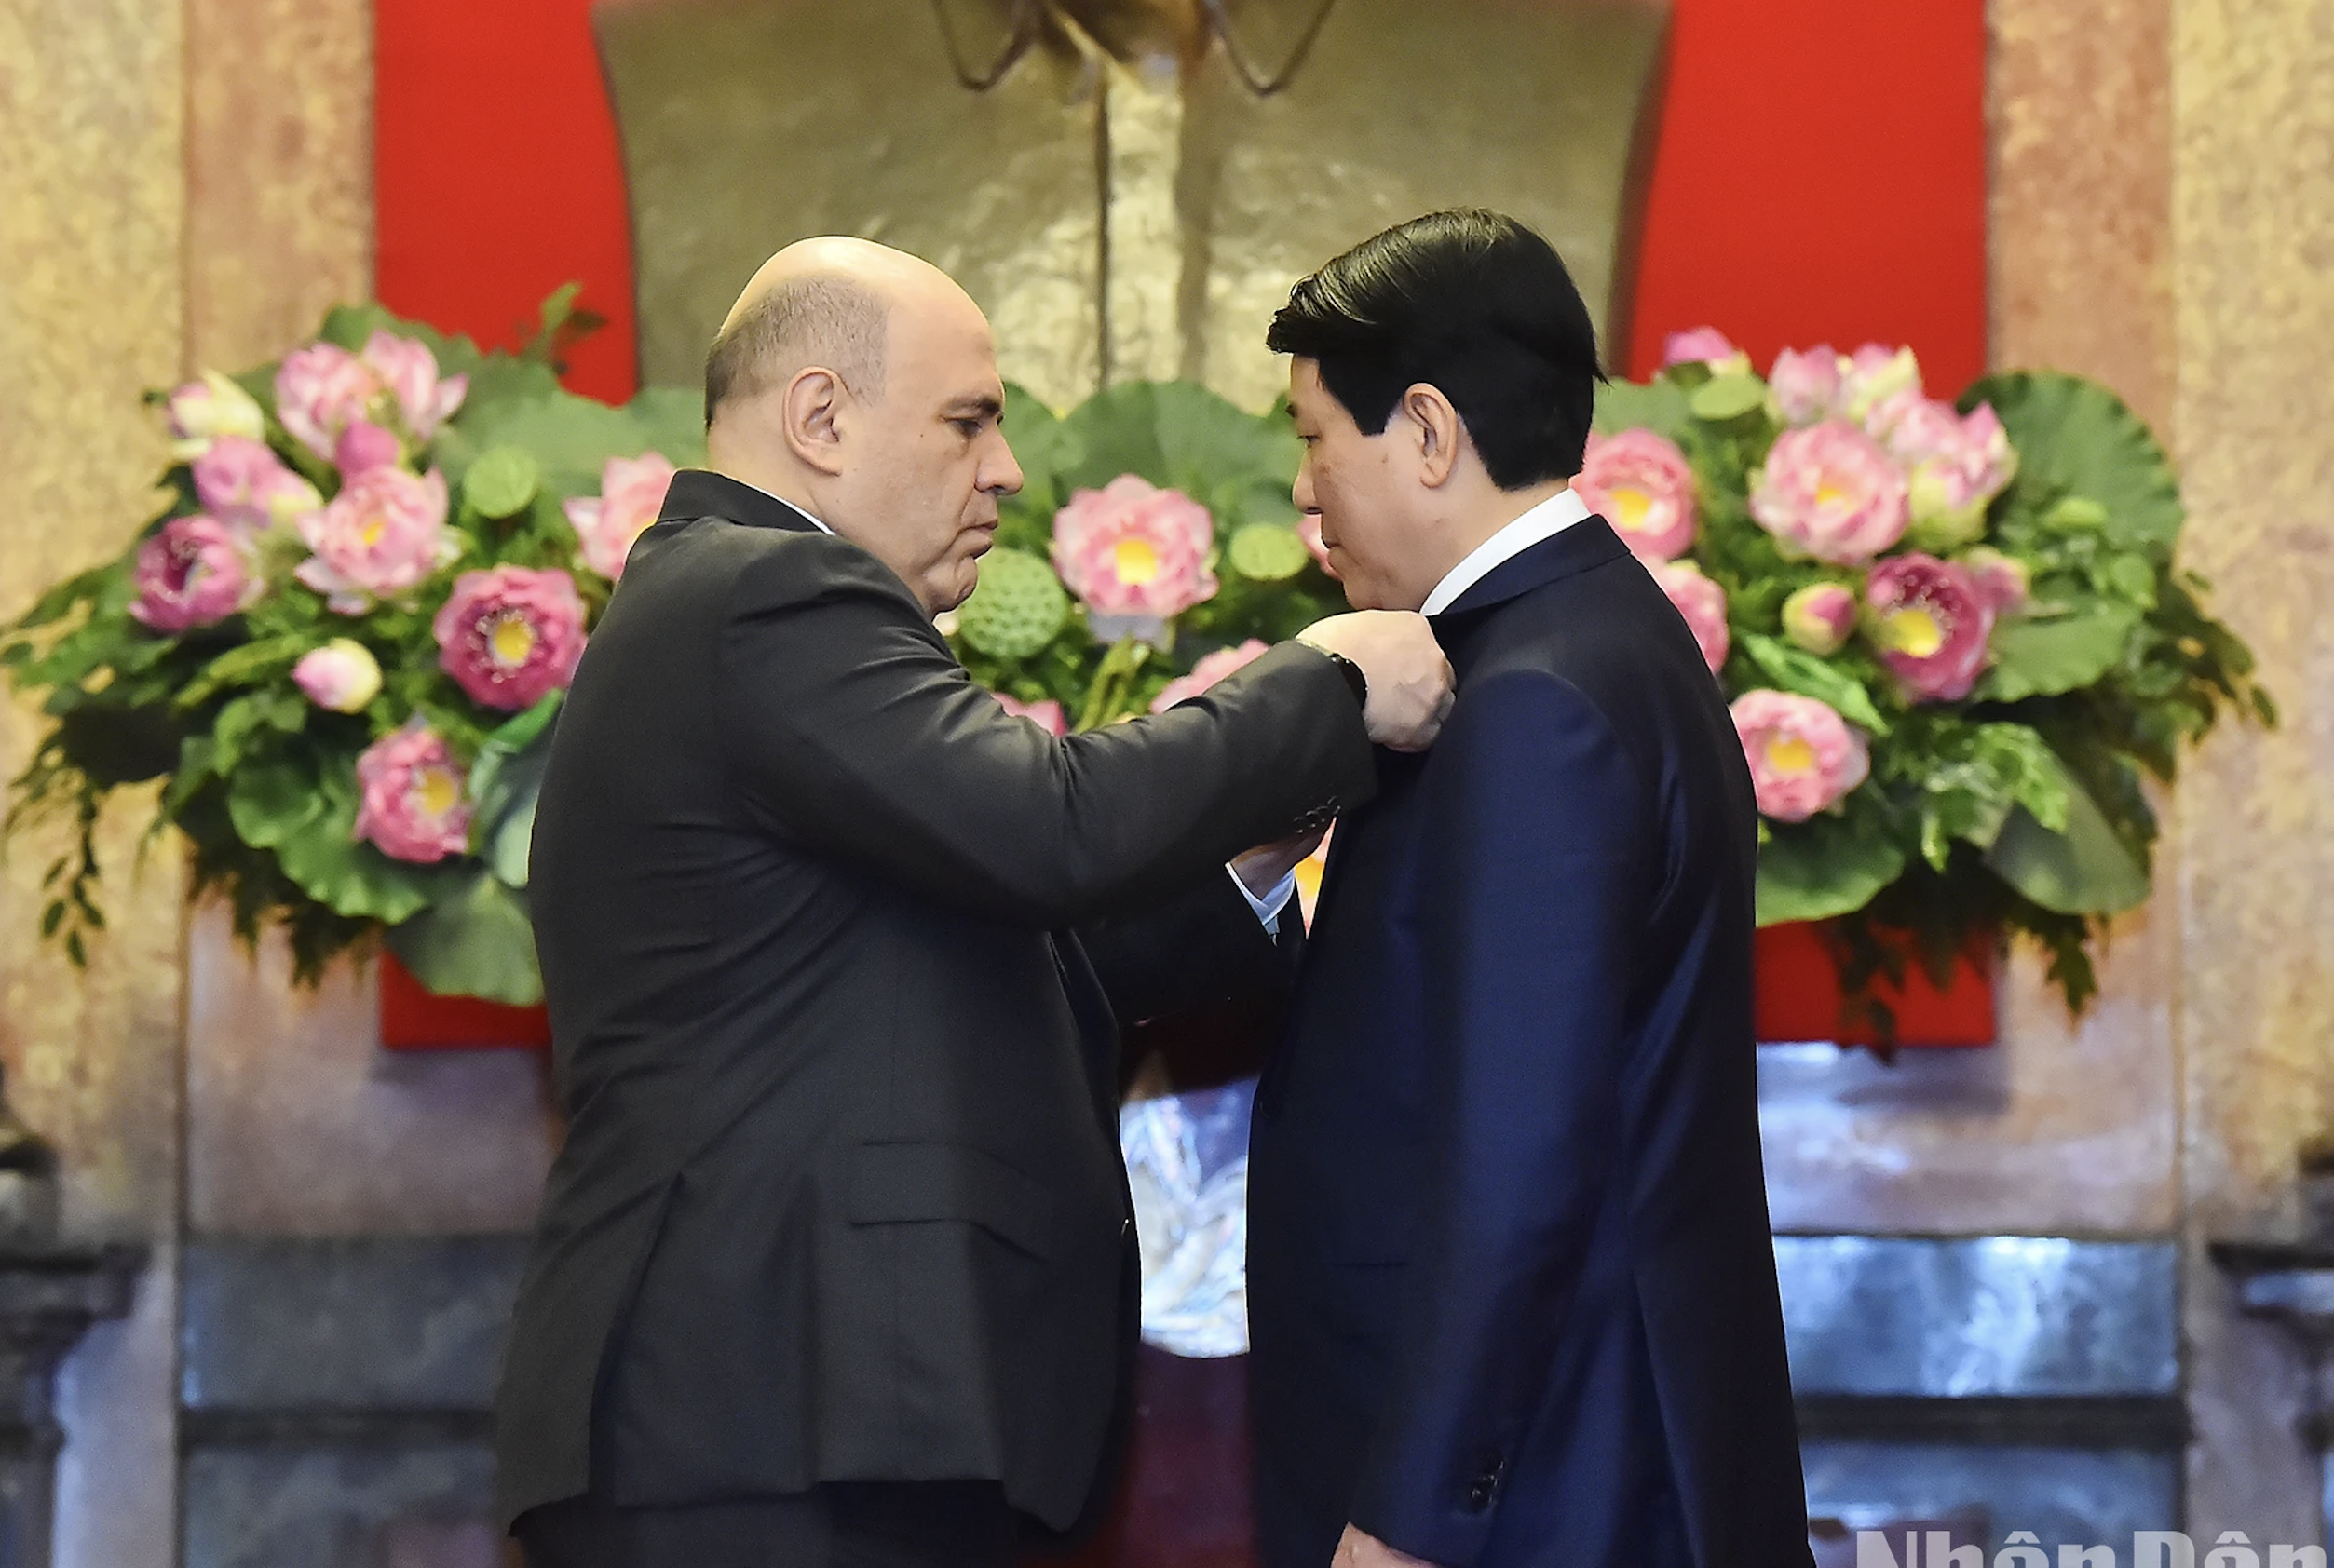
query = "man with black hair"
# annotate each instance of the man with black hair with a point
(1512, 1290)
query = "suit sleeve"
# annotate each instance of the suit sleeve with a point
(1200, 948)
(851, 726)
(1535, 885)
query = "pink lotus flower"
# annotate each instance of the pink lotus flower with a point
(1874, 375)
(632, 492)
(1207, 671)
(1046, 715)
(203, 411)
(510, 635)
(2002, 579)
(1959, 465)
(1831, 493)
(341, 676)
(1806, 386)
(1931, 621)
(1704, 345)
(321, 390)
(365, 446)
(1702, 601)
(1132, 550)
(192, 574)
(408, 371)
(1641, 484)
(383, 533)
(1820, 617)
(413, 801)
(245, 485)
(1803, 756)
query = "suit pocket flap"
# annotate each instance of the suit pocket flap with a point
(900, 1183)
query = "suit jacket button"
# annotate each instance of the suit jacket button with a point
(1480, 1494)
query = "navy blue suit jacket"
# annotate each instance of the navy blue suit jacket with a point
(1512, 1287)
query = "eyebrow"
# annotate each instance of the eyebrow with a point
(986, 406)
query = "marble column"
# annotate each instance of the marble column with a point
(91, 313)
(2252, 160)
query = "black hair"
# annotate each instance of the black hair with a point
(1470, 302)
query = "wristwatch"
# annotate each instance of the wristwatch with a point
(1353, 676)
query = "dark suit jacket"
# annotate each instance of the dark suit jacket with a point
(841, 1197)
(1511, 1284)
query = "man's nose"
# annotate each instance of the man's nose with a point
(1001, 474)
(1302, 491)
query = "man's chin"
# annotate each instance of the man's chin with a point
(968, 578)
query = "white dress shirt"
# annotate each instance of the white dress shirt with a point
(1268, 907)
(1546, 520)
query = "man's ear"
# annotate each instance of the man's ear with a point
(1435, 427)
(810, 411)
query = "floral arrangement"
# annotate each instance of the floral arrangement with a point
(1953, 634)
(341, 645)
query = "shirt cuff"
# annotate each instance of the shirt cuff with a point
(1270, 906)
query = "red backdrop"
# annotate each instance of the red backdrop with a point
(1820, 176)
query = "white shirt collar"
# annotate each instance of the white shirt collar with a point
(1546, 520)
(819, 521)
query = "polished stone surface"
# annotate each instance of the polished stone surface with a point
(2064, 1496)
(365, 1506)
(92, 302)
(300, 1124)
(2001, 1315)
(2252, 157)
(381, 1324)
(338, 1398)
(2059, 1127)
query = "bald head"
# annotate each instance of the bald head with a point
(860, 385)
(824, 303)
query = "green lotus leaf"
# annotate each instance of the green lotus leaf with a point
(1728, 397)
(475, 941)
(2076, 439)
(2044, 658)
(503, 480)
(2086, 870)
(1828, 865)
(1661, 407)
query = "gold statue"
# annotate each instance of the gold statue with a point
(1129, 187)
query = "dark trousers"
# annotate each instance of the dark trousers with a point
(923, 1524)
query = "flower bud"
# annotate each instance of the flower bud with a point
(203, 411)
(1819, 617)
(341, 676)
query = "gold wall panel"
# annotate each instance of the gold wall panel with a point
(1122, 199)
(2082, 193)
(278, 172)
(747, 124)
(1399, 109)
